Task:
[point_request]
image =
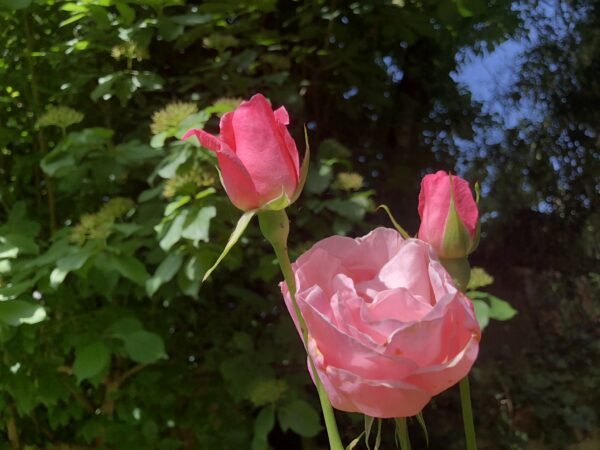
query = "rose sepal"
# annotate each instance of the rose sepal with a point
(303, 169)
(239, 229)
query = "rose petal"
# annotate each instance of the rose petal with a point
(438, 378)
(206, 139)
(227, 133)
(261, 148)
(343, 351)
(375, 398)
(282, 116)
(237, 181)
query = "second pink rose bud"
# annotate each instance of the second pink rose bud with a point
(449, 215)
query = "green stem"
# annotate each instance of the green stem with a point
(275, 227)
(467, 412)
(402, 431)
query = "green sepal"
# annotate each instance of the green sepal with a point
(378, 437)
(239, 229)
(476, 238)
(457, 242)
(397, 226)
(421, 421)
(368, 426)
(278, 203)
(402, 437)
(303, 169)
(355, 441)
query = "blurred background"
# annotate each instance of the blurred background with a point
(108, 221)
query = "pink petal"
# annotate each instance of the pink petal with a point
(465, 204)
(376, 398)
(282, 116)
(227, 133)
(345, 352)
(434, 204)
(438, 378)
(206, 139)
(237, 181)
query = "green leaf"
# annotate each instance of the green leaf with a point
(105, 85)
(17, 244)
(500, 309)
(197, 225)
(482, 312)
(168, 168)
(126, 12)
(15, 4)
(300, 417)
(479, 278)
(124, 326)
(126, 229)
(205, 193)
(235, 236)
(144, 347)
(151, 193)
(17, 312)
(12, 291)
(192, 19)
(158, 140)
(319, 179)
(58, 163)
(129, 267)
(71, 262)
(173, 234)
(164, 272)
(348, 209)
(174, 206)
(91, 360)
(263, 424)
(470, 8)
(168, 29)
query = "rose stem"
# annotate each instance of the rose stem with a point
(467, 413)
(275, 227)
(460, 270)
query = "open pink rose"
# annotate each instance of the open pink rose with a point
(387, 328)
(257, 156)
(449, 215)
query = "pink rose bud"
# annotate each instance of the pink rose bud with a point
(449, 215)
(387, 327)
(257, 157)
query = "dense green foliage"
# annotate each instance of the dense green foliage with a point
(108, 222)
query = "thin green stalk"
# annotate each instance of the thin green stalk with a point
(467, 412)
(335, 442)
(402, 430)
(275, 227)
